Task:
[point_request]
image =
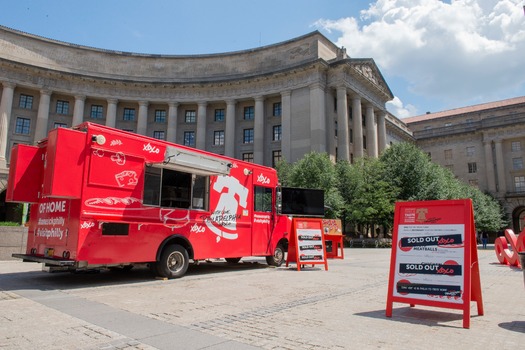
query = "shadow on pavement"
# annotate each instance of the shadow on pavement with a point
(515, 326)
(40, 280)
(420, 316)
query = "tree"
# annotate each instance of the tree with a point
(316, 170)
(369, 198)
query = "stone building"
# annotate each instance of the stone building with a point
(274, 102)
(483, 145)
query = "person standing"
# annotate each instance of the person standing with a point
(484, 239)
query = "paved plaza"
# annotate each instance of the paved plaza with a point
(249, 306)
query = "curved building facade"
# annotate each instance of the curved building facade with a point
(275, 102)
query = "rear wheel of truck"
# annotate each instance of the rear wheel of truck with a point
(277, 258)
(173, 262)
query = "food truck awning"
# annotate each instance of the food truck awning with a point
(201, 164)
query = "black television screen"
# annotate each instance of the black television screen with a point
(302, 201)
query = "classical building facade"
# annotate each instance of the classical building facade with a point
(483, 145)
(275, 102)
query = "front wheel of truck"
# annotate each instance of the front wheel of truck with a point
(277, 258)
(174, 262)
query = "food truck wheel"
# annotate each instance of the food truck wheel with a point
(173, 262)
(277, 258)
(233, 260)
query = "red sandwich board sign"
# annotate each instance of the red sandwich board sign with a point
(434, 260)
(307, 245)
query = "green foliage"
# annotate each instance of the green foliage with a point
(368, 196)
(9, 223)
(365, 192)
(315, 170)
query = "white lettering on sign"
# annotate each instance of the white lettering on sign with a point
(263, 179)
(115, 143)
(52, 207)
(50, 233)
(151, 149)
(87, 224)
(197, 228)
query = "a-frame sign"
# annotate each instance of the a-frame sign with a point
(307, 245)
(434, 260)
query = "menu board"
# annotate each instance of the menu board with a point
(307, 244)
(434, 256)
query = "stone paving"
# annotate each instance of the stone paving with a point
(249, 306)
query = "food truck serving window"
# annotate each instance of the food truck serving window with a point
(176, 189)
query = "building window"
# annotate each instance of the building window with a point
(351, 136)
(277, 156)
(22, 126)
(62, 107)
(248, 136)
(160, 116)
(26, 101)
(519, 183)
(96, 112)
(448, 154)
(277, 109)
(219, 115)
(364, 142)
(472, 168)
(247, 157)
(159, 135)
(516, 146)
(218, 138)
(249, 113)
(473, 183)
(129, 114)
(470, 151)
(277, 133)
(60, 125)
(190, 116)
(517, 163)
(450, 167)
(448, 124)
(189, 138)
(335, 128)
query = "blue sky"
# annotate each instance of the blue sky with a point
(434, 55)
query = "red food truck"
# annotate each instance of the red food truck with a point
(102, 197)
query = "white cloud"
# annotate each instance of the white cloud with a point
(401, 111)
(459, 52)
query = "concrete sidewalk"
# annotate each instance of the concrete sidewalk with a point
(249, 306)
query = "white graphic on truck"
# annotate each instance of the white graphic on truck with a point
(223, 219)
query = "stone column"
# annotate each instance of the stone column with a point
(500, 167)
(171, 134)
(258, 131)
(381, 131)
(343, 139)
(200, 135)
(6, 106)
(371, 132)
(286, 126)
(42, 117)
(489, 166)
(142, 121)
(111, 116)
(317, 118)
(357, 117)
(78, 111)
(229, 133)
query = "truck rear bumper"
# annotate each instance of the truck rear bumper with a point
(47, 261)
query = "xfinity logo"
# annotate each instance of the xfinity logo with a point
(263, 179)
(197, 228)
(151, 149)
